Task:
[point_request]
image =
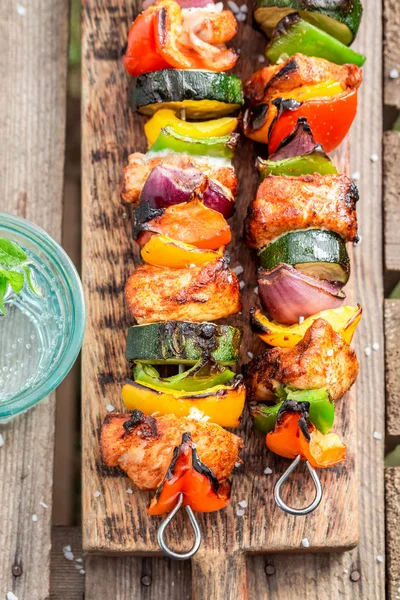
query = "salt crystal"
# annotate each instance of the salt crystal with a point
(240, 512)
(345, 571)
(301, 320)
(250, 355)
(69, 555)
(79, 560)
(233, 6)
(380, 558)
(192, 266)
(256, 290)
(329, 352)
(377, 435)
(67, 549)
(2, 442)
(243, 503)
(374, 157)
(21, 10)
(43, 504)
(267, 471)
(238, 270)
(375, 346)
(34, 518)
(11, 596)
(261, 58)
(244, 8)
(242, 284)
(356, 175)
(129, 491)
(82, 571)
(238, 464)
(79, 567)
(96, 494)
(305, 543)
(110, 408)
(367, 351)
(394, 74)
(241, 17)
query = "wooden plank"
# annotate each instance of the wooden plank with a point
(391, 158)
(391, 54)
(392, 488)
(107, 144)
(66, 580)
(392, 354)
(33, 67)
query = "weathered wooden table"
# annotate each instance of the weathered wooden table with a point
(33, 67)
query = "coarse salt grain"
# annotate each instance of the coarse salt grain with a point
(374, 157)
(240, 512)
(238, 464)
(242, 284)
(79, 567)
(69, 555)
(129, 491)
(67, 549)
(233, 6)
(82, 571)
(329, 352)
(367, 351)
(256, 290)
(79, 560)
(375, 346)
(192, 266)
(241, 17)
(2, 442)
(379, 558)
(244, 8)
(43, 504)
(96, 494)
(243, 503)
(250, 355)
(345, 571)
(377, 435)
(34, 518)
(11, 596)
(267, 471)
(394, 74)
(305, 543)
(301, 320)
(356, 175)
(21, 10)
(110, 408)
(238, 270)
(261, 58)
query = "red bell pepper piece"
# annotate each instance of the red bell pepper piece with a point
(187, 475)
(141, 55)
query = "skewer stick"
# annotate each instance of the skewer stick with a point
(182, 113)
(197, 534)
(318, 490)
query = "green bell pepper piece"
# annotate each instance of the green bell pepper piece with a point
(293, 34)
(200, 377)
(321, 412)
(306, 164)
(222, 146)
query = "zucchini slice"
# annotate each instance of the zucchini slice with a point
(204, 94)
(182, 342)
(314, 252)
(340, 18)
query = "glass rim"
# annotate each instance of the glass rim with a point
(72, 283)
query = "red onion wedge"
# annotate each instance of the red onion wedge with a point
(298, 143)
(166, 186)
(288, 294)
(182, 3)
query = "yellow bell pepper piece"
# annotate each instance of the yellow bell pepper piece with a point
(203, 129)
(325, 89)
(343, 320)
(222, 404)
(163, 251)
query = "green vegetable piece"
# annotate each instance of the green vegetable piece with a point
(202, 376)
(321, 412)
(169, 139)
(307, 164)
(293, 35)
(13, 257)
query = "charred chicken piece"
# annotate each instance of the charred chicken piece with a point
(202, 293)
(316, 201)
(322, 359)
(143, 446)
(141, 165)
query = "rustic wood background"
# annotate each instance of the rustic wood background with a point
(33, 51)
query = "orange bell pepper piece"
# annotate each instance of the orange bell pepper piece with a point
(187, 475)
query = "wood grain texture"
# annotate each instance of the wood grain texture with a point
(391, 55)
(391, 203)
(66, 580)
(392, 489)
(392, 355)
(33, 67)
(110, 133)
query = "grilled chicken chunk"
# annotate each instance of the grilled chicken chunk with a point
(143, 446)
(316, 201)
(297, 71)
(140, 166)
(322, 359)
(200, 293)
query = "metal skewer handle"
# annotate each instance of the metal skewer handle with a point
(318, 490)
(197, 534)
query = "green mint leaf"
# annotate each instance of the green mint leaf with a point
(29, 281)
(11, 255)
(15, 279)
(3, 289)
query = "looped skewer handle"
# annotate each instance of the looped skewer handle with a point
(318, 490)
(197, 534)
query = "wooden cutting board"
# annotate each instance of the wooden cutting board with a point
(115, 521)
